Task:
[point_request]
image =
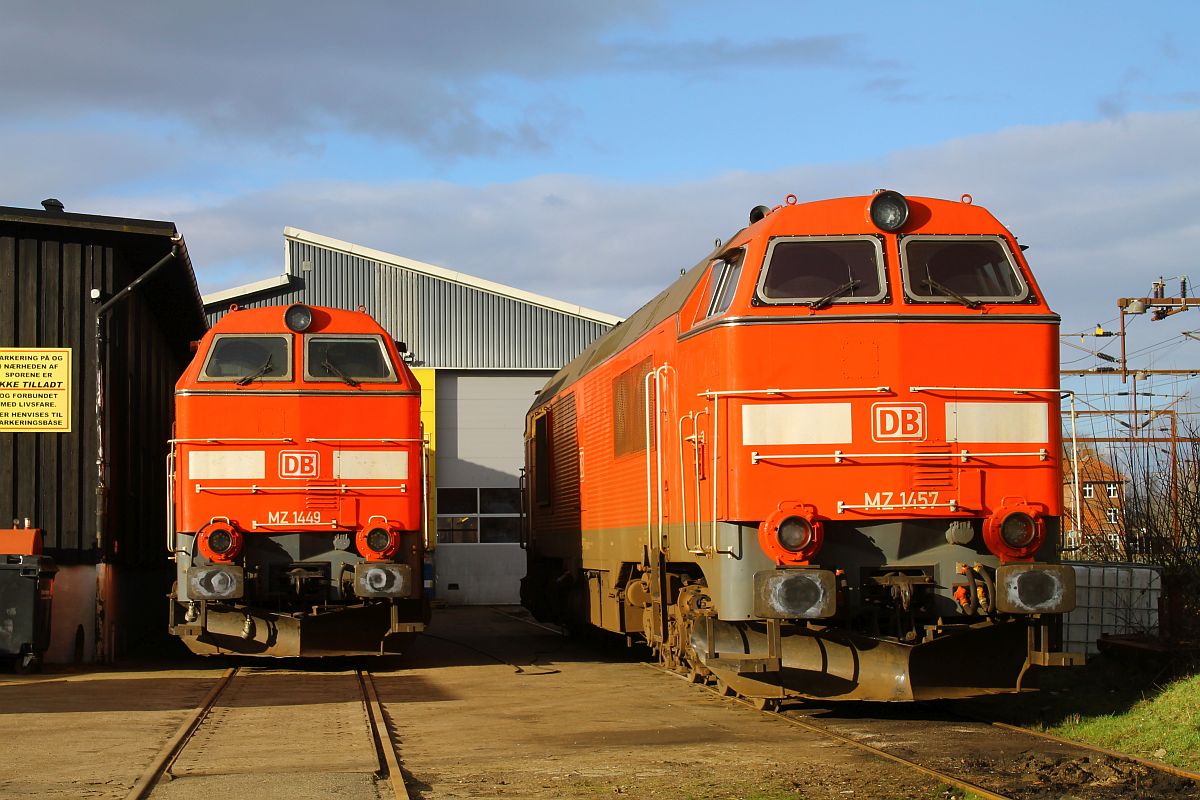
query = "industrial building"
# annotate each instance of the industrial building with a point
(481, 351)
(106, 307)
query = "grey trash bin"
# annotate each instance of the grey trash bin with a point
(26, 590)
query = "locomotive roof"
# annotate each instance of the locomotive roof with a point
(270, 318)
(645, 319)
(822, 216)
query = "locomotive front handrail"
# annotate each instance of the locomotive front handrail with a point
(387, 440)
(240, 440)
(828, 390)
(1013, 390)
(253, 488)
(953, 505)
(171, 502)
(332, 525)
(838, 456)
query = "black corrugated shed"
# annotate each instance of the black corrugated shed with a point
(50, 263)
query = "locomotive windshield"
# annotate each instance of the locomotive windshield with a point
(349, 359)
(822, 270)
(967, 270)
(245, 358)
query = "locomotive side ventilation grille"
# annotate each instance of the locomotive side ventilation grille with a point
(629, 410)
(932, 473)
(564, 446)
(320, 501)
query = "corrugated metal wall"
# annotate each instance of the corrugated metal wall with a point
(445, 324)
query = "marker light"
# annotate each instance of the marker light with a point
(298, 317)
(792, 534)
(1015, 531)
(219, 542)
(888, 210)
(378, 544)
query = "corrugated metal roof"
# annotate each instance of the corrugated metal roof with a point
(447, 318)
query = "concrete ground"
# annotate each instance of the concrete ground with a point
(490, 706)
(486, 705)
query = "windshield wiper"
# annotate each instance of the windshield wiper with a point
(848, 286)
(258, 373)
(937, 287)
(329, 367)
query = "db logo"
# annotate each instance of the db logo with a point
(898, 422)
(299, 463)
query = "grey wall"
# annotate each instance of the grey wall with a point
(480, 443)
(481, 422)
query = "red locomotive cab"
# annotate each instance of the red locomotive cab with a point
(887, 370)
(298, 484)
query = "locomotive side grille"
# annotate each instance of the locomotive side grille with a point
(320, 501)
(564, 443)
(931, 473)
(629, 410)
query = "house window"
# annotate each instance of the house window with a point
(1113, 489)
(1089, 491)
(1112, 515)
(1114, 540)
(479, 516)
(1072, 541)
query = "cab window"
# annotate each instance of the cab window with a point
(723, 281)
(960, 269)
(819, 271)
(248, 358)
(349, 359)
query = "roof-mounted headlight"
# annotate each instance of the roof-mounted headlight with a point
(298, 318)
(888, 210)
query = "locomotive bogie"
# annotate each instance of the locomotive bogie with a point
(827, 436)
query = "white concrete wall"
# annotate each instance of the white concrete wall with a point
(479, 574)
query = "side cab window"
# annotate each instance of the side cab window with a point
(718, 287)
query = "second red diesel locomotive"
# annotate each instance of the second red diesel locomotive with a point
(297, 477)
(825, 462)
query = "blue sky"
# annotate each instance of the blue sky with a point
(587, 151)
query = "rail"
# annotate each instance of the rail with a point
(379, 730)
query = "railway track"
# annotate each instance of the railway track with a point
(988, 759)
(286, 723)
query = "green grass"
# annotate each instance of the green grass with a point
(1164, 726)
(1142, 704)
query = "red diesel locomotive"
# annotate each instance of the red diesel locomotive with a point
(297, 482)
(825, 462)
